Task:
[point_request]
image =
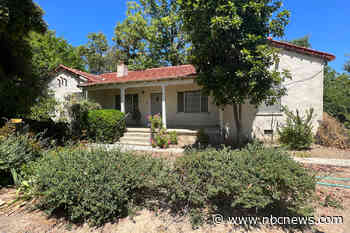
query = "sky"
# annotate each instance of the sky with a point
(326, 22)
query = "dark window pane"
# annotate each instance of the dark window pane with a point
(117, 102)
(180, 102)
(192, 102)
(136, 102)
(204, 103)
(128, 103)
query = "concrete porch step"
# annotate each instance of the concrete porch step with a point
(137, 134)
(134, 143)
(138, 139)
(138, 130)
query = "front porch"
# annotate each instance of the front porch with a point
(179, 102)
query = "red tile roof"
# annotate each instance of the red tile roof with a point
(176, 72)
(299, 49)
(154, 74)
(88, 76)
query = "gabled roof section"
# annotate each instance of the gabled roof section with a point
(299, 49)
(88, 76)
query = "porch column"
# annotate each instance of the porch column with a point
(86, 94)
(221, 112)
(221, 116)
(163, 106)
(122, 99)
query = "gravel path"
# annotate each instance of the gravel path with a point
(332, 162)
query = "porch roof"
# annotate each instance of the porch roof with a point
(148, 75)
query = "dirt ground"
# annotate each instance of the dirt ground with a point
(17, 218)
(318, 151)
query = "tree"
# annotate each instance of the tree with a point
(303, 41)
(18, 86)
(337, 95)
(151, 35)
(49, 51)
(94, 52)
(347, 66)
(231, 53)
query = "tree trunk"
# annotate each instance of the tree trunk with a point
(237, 114)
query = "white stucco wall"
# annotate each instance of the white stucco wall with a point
(304, 91)
(62, 91)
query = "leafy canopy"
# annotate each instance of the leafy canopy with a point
(18, 86)
(230, 48)
(151, 35)
(303, 41)
(95, 52)
(337, 95)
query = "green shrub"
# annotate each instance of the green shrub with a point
(297, 132)
(173, 137)
(95, 186)
(202, 137)
(261, 179)
(106, 125)
(44, 109)
(16, 151)
(78, 110)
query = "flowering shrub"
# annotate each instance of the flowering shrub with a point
(173, 137)
(159, 136)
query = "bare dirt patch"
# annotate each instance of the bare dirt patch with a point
(318, 151)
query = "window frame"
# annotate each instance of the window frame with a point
(184, 93)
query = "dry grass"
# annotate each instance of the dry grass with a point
(331, 133)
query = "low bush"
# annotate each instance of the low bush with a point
(78, 111)
(173, 137)
(332, 133)
(106, 125)
(260, 179)
(296, 133)
(95, 186)
(16, 151)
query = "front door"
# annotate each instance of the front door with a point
(156, 104)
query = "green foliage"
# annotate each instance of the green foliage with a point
(337, 95)
(44, 109)
(231, 36)
(18, 86)
(106, 125)
(296, 133)
(95, 186)
(160, 136)
(16, 151)
(94, 52)
(173, 137)
(151, 35)
(156, 122)
(49, 51)
(78, 110)
(303, 41)
(263, 180)
(347, 66)
(202, 137)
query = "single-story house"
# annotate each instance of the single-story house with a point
(173, 93)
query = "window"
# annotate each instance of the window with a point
(65, 82)
(192, 102)
(59, 82)
(276, 108)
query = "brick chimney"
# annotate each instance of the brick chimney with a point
(122, 69)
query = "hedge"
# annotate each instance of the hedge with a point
(106, 125)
